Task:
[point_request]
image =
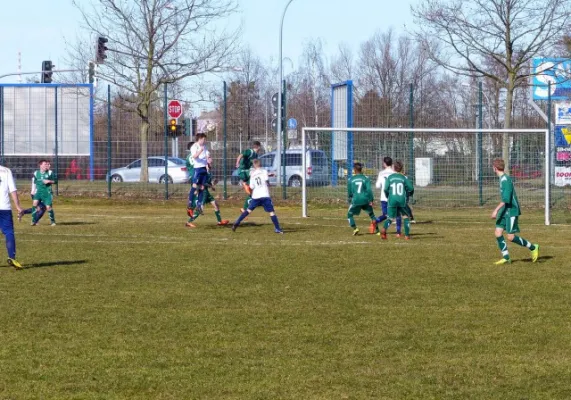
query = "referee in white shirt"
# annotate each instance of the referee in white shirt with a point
(7, 189)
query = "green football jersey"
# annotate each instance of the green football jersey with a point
(190, 165)
(509, 197)
(397, 189)
(359, 190)
(248, 156)
(41, 187)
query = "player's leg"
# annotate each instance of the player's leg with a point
(7, 227)
(245, 213)
(502, 245)
(353, 210)
(383, 211)
(48, 201)
(34, 208)
(371, 212)
(511, 231)
(220, 221)
(40, 211)
(269, 208)
(406, 219)
(392, 213)
(399, 225)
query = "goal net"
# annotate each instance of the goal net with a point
(449, 167)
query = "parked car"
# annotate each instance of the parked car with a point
(316, 163)
(235, 177)
(131, 173)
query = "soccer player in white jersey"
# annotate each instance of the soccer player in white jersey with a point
(260, 196)
(7, 190)
(201, 155)
(380, 184)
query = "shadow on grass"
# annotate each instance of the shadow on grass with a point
(540, 259)
(75, 223)
(422, 223)
(54, 264)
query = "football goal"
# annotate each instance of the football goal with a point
(449, 167)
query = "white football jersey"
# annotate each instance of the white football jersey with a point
(7, 186)
(381, 179)
(202, 160)
(259, 183)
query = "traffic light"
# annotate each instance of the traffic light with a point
(101, 49)
(275, 111)
(172, 127)
(91, 72)
(187, 127)
(47, 67)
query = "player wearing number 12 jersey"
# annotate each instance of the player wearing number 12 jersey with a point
(260, 196)
(397, 189)
(360, 196)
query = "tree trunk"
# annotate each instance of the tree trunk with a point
(144, 113)
(508, 121)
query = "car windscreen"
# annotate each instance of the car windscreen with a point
(318, 159)
(176, 160)
(292, 160)
(267, 161)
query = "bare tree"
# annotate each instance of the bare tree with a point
(342, 66)
(463, 35)
(156, 42)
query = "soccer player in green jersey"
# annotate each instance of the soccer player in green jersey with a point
(506, 215)
(397, 189)
(44, 178)
(244, 163)
(360, 196)
(208, 198)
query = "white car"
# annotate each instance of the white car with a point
(177, 172)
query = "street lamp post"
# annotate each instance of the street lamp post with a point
(279, 124)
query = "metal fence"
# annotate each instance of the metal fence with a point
(108, 130)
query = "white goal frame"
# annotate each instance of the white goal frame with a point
(545, 132)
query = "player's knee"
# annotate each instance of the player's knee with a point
(511, 237)
(499, 232)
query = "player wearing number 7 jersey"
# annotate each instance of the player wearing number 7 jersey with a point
(260, 196)
(360, 196)
(397, 188)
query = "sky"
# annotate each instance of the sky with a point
(39, 29)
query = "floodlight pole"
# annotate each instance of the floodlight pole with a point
(279, 124)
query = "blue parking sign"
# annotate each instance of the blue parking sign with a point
(292, 123)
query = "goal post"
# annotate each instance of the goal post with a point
(450, 167)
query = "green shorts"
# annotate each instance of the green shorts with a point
(244, 175)
(398, 211)
(507, 223)
(208, 198)
(356, 210)
(45, 198)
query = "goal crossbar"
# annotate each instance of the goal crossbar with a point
(545, 132)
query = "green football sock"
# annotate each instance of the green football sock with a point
(52, 216)
(194, 217)
(217, 213)
(406, 227)
(351, 221)
(34, 212)
(387, 223)
(247, 202)
(503, 247)
(523, 243)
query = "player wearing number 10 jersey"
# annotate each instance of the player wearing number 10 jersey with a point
(397, 189)
(260, 196)
(360, 196)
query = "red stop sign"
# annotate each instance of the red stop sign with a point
(174, 109)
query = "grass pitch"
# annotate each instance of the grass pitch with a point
(120, 301)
